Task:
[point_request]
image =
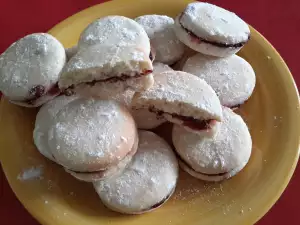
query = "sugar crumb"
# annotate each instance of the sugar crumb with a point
(32, 173)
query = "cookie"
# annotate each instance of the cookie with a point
(217, 158)
(211, 30)
(232, 77)
(146, 183)
(30, 69)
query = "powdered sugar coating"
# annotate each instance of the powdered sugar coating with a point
(44, 120)
(214, 24)
(36, 59)
(227, 150)
(149, 178)
(162, 37)
(115, 30)
(87, 134)
(232, 78)
(100, 62)
(180, 93)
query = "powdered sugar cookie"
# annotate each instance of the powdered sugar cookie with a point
(30, 68)
(211, 30)
(232, 78)
(89, 136)
(147, 182)
(217, 158)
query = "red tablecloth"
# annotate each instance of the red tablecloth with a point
(277, 20)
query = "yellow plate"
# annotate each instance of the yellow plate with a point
(272, 115)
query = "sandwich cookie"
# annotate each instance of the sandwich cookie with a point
(145, 119)
(146, 183)
(90, 138)
(115, 30)
(211, 30)
(183, 99)
(30, 68)
(44, 120)
(232, 78)
(162, 37)
(115, 67)
(217, 158)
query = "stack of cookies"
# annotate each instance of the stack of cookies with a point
(98, 99)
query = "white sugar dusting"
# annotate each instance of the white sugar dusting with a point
(32, 173)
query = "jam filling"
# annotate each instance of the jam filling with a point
(190, 122)
(123, 77)
(197, 39)
(39, 91)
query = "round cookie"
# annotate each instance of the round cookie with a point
(232, 78)
(217, 158)
(44, 120)
(183, 99)
(162, 37)
(30, 68)
(211, 30)
(91, 135)
(147, 182)
(115, 30)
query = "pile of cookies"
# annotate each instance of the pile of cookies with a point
(99, 98)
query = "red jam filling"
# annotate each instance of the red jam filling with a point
(190, 122)
(123, 77)
(39, 91)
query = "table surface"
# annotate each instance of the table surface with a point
(277, 20)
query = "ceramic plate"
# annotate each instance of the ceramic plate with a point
(272, 114)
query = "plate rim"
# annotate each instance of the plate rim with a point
(267, 205)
